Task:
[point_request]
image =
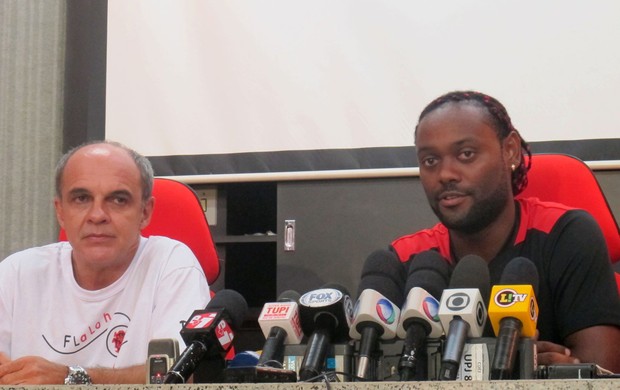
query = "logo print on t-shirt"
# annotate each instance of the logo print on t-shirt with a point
(112, 327)
(117, 340)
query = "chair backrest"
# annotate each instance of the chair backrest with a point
(178, 214)
(566, 179)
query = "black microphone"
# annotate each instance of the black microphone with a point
(513, 312)
(429, 274)
(462, 310)
(208, 333)
(326, 316)
(279, 322)
(376, 314)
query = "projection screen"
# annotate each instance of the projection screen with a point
(216, 89)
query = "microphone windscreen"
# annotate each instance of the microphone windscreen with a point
(328, 310)
(384, 273)
(234, 304)
(430, 271)
(521, 270)
(338, 287)
(289, 296)
(472, 272)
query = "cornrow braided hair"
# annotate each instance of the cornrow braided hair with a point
(502, 124)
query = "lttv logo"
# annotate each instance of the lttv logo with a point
(507, 297)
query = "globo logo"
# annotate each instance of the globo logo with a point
(480, 313)
(386, 311)
(431, 308)
(457, 301)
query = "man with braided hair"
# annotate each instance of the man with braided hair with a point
(473, 162)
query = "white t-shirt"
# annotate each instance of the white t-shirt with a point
(44, 312)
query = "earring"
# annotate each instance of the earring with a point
(513, 167)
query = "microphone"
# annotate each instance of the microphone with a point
(208, 333)
(377, 309)
(279, 322)
(462, 310)
(513, 312)
(428, 276)
(325, 315)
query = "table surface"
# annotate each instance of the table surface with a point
(548, 384)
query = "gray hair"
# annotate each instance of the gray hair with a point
(143, 164)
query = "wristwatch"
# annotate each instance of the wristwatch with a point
(77, 376)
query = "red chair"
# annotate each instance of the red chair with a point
(178, 214)
(566, 179)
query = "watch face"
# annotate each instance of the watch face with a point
(77, 376)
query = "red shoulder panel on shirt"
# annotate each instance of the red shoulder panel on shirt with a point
(434, 238)
(538, 215)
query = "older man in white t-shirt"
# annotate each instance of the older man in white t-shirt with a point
(86, 309)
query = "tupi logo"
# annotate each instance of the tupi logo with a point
(277, 310)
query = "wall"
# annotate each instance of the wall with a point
(32, 49)
(32, 66)
(340, 222)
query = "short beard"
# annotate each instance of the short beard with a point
(482, 213)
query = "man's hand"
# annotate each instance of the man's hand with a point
(33, 370)
(596, 344)
(30, 370)
(550, 353)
